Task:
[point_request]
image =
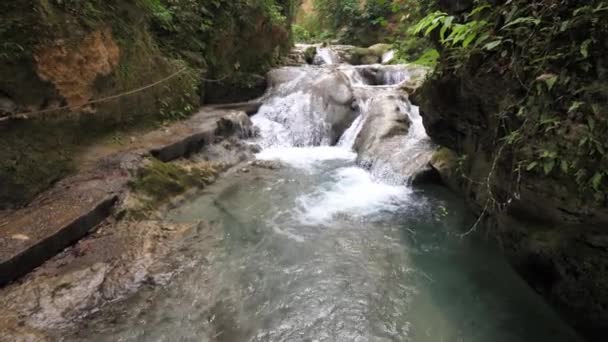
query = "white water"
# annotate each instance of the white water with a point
(326, 56)
(388, 56)
(294, 131)
(350, 135)
(307, 157)
(351, 191)
(280, 127)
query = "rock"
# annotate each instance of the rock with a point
(381, 144)
(7, 106)
(380, 49)
(533, 225)
(323, 97)
(336, 99)
(445, 162)
(385, 120)
(267, 164)
(370, 59)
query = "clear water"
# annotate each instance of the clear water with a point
(318, 251)
(322, 250)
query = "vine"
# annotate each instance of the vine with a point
(553, 52)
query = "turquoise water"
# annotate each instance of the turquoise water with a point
(320, 251)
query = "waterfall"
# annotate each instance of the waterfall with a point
(388, 56)
(350, 135)
(326, 56)
(313, 108)
(393, 76)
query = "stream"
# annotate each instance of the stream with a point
(331, 245)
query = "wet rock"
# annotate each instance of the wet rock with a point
(382, 144)
(379, 49)
(370, 59)
(385, 120)
(72, 286)
(336, 95)
(445, 162)
(324, 98)
(301, 54)
(267, 164)
(7, 106)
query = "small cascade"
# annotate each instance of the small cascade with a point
(281, 128)
(350, 135)
(326, 56)
(355, 108)
(393, 75)
(388, 56)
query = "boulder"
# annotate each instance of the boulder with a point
(380, 49)
(370, 59)
(323, 99)
(445, 162)
(333, 96)
(7, 106)
(385, 144)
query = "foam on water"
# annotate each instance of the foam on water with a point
(350, 135)
(327, 56)
(352, 192)
(307, 157)
(291, 120)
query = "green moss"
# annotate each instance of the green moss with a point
(160, 181)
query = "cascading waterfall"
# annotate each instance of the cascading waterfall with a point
(348, 139)
(301, 111)
(326, 56)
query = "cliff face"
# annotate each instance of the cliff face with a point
(63, 54)
(519, 135)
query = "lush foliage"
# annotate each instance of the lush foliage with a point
(368, 22)
(555, 55)
(211, 39)
(349, 21)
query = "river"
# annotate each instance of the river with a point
(322, 249)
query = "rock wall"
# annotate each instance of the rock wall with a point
(554, 230)
(62, 54)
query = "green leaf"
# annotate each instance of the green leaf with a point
(446, 25)
(575, 105)
(548, 166)
(596, 181)
(469, 39)
(522, 20)
(477, 10)
(600, 148)
(591, 122)
(531, 166)
(585, 48)
(565, 166)
(549, 79)
(493, 44)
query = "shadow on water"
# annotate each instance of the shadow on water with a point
(471, 293)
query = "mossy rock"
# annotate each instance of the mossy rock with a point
(309, 54)
(445, 161)
(160, 181)
(379, 49)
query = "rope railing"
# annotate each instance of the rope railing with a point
(26, 115)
